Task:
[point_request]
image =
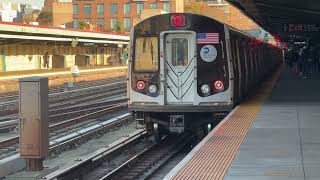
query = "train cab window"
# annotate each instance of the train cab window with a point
(179, 51)
(146, 54)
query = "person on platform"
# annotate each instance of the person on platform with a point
(46, 60)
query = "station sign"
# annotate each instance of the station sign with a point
(301, 28)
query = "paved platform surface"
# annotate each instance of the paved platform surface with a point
(282, 143)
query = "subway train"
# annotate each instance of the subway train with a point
(186, 68)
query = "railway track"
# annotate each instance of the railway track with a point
(79, 85)
(66, 123)
(62, 99)
(57, 115)
(78, 169)
(80, 99)
(68, 140)
(146, 163)
(8, 98)
(84, 134)
(140, 166)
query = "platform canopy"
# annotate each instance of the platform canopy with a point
(13, 33)
(296, 20)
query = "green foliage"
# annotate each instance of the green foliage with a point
(82, 25)
(45, 18)
(195, 7)
(119, 27)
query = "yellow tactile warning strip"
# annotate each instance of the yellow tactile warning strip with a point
(213, 158)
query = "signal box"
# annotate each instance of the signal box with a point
(33, 118)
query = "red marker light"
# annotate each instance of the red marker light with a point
(178, 21)
(140, 85)
(218, 85)
(278, 39)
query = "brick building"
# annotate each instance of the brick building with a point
(226, 13)
(112, 12)
(61, 11)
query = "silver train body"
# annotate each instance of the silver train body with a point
(184, 68)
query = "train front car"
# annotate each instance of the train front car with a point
(178, 73)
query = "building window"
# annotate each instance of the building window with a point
(100, 9)
(167, 7)
(127, 23)
(75, 9)
(139, 8)
(153, 6)
(113, 23)
(114, 8)
(87, 8)
(87, 20)
(101, 22)
(126, 9)
(75, 23)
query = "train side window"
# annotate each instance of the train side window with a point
(179, 50)
(146, 54)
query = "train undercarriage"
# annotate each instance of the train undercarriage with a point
(164, 123)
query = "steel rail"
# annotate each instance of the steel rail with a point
(53, 127)
(99, 154)
(144, 164)
(68, 92)
(69, 112)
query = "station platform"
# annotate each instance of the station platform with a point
(57, 77)
(274, 135)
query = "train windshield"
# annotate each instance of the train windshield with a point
(179, 51)
(146, 54)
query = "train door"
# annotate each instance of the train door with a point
(179, 51)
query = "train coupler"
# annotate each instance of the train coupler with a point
(176, 124)
(140, 120)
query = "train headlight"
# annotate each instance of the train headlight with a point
(153, 89)
(205, 89)
(140, 85)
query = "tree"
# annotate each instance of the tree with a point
(31, 17)
(82, 25)
(119, 28)
(45, 18)
(195, 7)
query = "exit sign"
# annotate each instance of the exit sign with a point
(301, 28)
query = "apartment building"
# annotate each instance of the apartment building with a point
(112, 12)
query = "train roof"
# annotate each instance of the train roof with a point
(217, 21)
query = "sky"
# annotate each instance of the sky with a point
(36, 3)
